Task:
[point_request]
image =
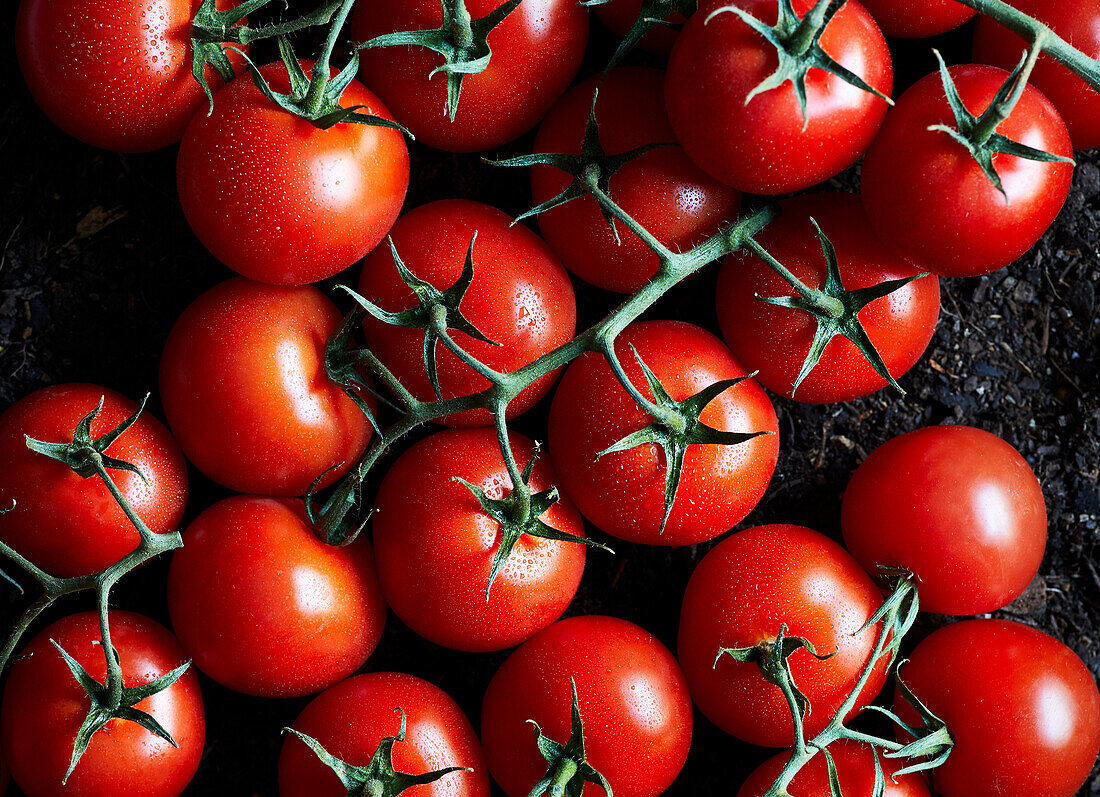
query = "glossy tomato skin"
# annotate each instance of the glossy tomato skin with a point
(1022, 708)
(663, 190)
(623, 493)
(619, 16)
(536, 51)
(266, 608)
(520, 297)
(633, 702)
(281, 201)
(44, 706)
(761, 147)
(243, 383)
(68, 525)
(926, 195)
(740, 594)
(958, 507)
(918, 19)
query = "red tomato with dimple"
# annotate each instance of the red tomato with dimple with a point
(761, 147)
(740, 595)
(663, 190)
(775, 340)
(281, 201)
(926, 195)
(520, 297)
(44, 706)
(918, 19)
(244, 387)
(620, 15)
(623, 493)
(68, 525)
(536, 51)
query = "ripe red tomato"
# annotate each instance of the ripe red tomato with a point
(265, 607)
(919, 19)
(520, 297)
(1022, 708)
(536, 51)
(761, 147)
(623, 493)
(925, 193)
(663, 190)
(633, 702)
(281, 201)
(243, 383)
(741, 593)
(68, 525)
(619, 16)
(44, 706)
(775, 340)
(966, 516)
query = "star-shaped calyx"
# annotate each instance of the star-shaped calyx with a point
(652, 14)
(86, 455)
(567, 769)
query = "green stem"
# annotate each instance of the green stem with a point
(828, 304)
(520, 491)
(322, 16)
(567, 769)
(462, 26)
(992, 118)
(315, 96)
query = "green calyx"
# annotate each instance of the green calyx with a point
(932, 741)
(568, 770)
(652, 14)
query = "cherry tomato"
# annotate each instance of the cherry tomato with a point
(775, 340)
(1022, 708)
(520, 297)
(281, 201)
(740, 595)
(44, 707)
(663, 190)
(68, 525)
(619, 16)
(623, 493)
(918, 19)
(633, 702)
(926, 195)
(761, 147)
(243, 383)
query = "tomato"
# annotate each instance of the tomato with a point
(761, 147)
(623, 493)
(918, 19)
(620, 15)
(663, 190)
(740, 595)
(855, 769)
(4, 779)
(44, 707)
(264, 607)
(536, 51)
(68, 525)
(1022, 708)
(281, 201)
(520, 297)
(925, 193)
(633, 702)
(243, 383)
(775, 340)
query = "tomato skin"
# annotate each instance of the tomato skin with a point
(70, 526)
(740, 594)
(619, 16)
(926, 195)
(918, 19)
(520, 297)
(1022, 708)
(281, 201)
(623, 493)
(761, 148)
(536, 51)
(44, 706)
(633, 701)
(663, 190)
(243, 383)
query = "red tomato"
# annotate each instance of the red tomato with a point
(741, 593)
(633, 702)
(623, 493)
(775, 340)
(761, 147)
(243, 383)
(520, 297)
(918, 19)
(1022, 708)
(663, 190)
(44, 707)
(281, 201)
(925, 193)
(265, 607)
(619, 16)
(68, 525)
(966, 516)
(3, 776)
(536, 51)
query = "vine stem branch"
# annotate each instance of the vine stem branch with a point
(315, 97)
